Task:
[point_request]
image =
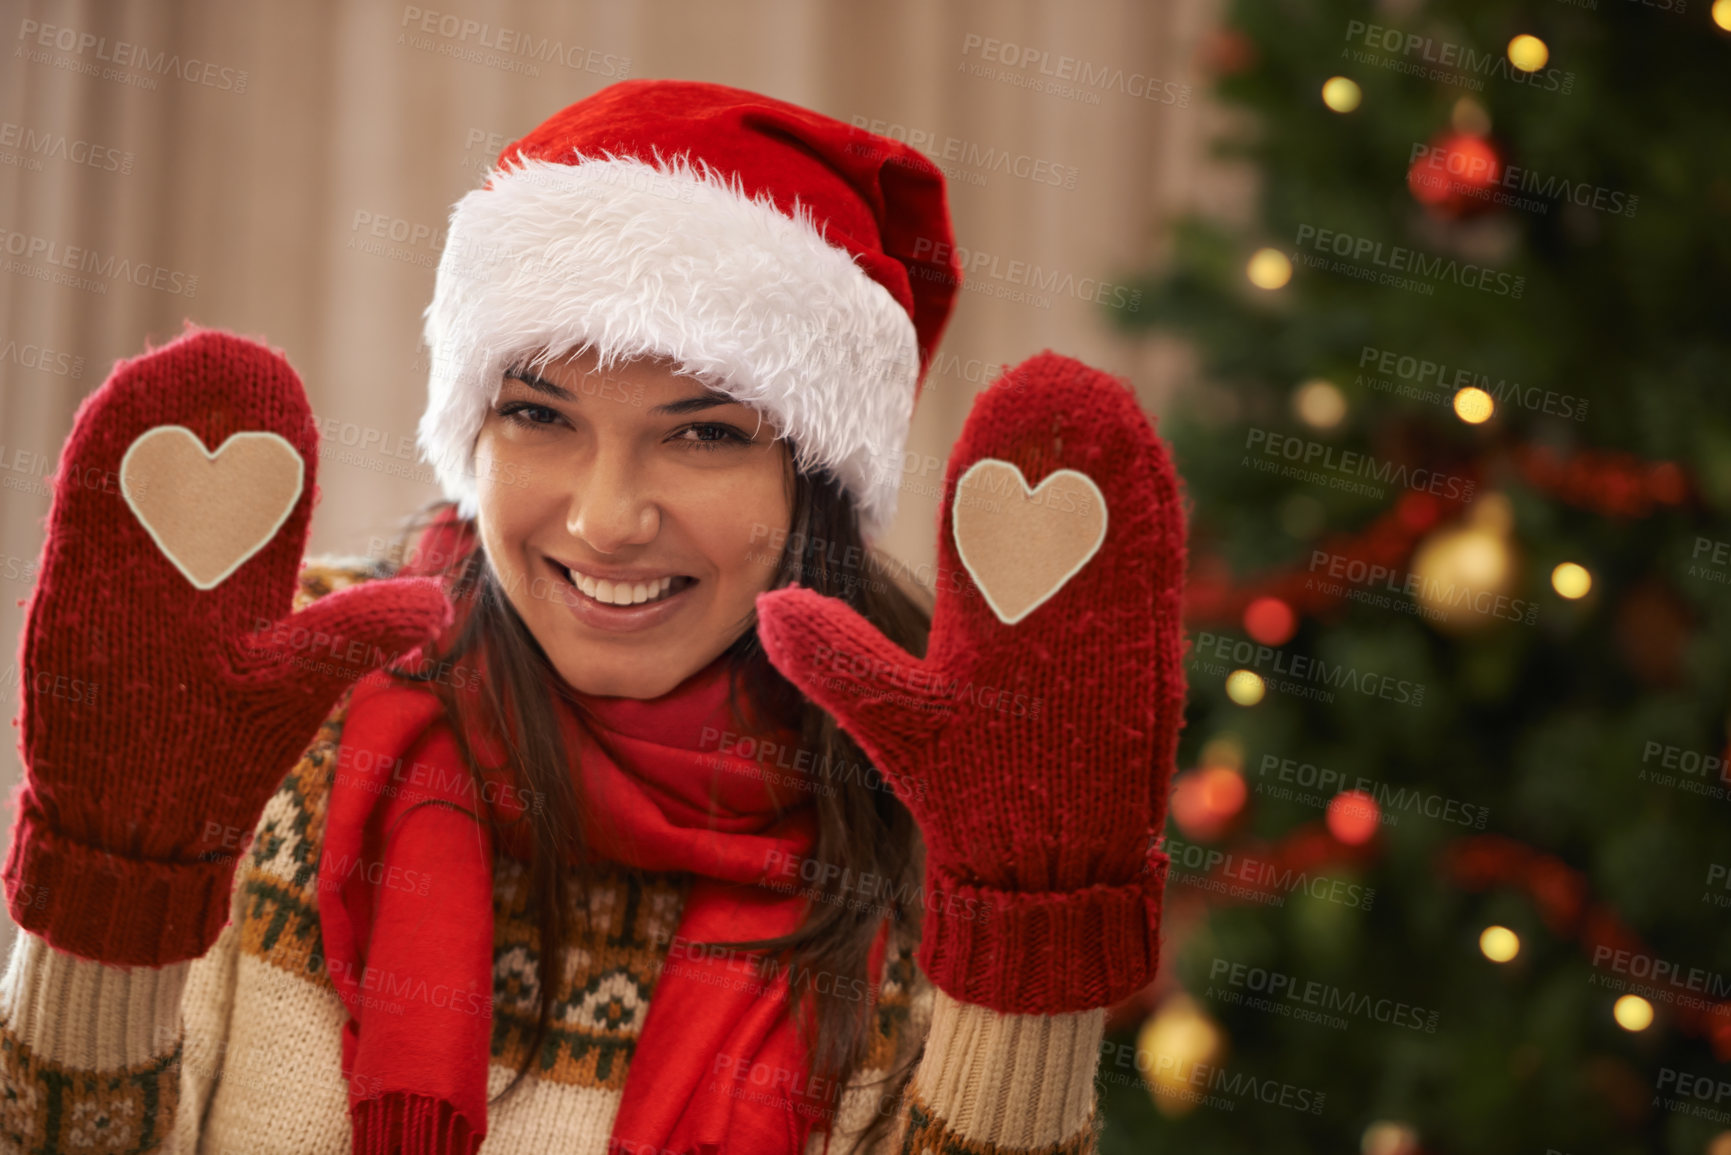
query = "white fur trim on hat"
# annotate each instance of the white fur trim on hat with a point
(633, 259)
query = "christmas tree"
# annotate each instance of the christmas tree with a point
(1451, 839)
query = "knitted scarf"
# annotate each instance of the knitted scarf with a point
(406, 910)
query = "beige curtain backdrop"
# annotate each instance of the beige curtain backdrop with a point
(242, 155)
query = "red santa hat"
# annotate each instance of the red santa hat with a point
(799, 264)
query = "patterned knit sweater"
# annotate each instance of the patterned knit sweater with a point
(239, 1052)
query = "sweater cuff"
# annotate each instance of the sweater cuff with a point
(1043, 953)
(88, 1016)
(109, 908)
(1010, 1082)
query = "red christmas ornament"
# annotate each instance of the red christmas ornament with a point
(1454, 175)
(1228, 52)
(1205, 803)
(1353, 817)
(1270, 621)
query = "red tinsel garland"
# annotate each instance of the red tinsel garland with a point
(1609, 483)
(1562, 897)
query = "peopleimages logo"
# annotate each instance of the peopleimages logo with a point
(1694, 1092)
(1350, 463)
(1211, 651)
(35, 37)
(1416, 373)
(1476, 169)
(34, 145)
(1391, 801)
(962, 160)
(1258, 879)
(42, 358)
(1329, 1001)
(511, 48)
(1666, 764)
(1400, 259)
(55, 254)
(1445, 60)
(1432, 598)
(1066, 76)
(1177, 1077)
(1044, 282)
(1693, 982)
(1710, 559)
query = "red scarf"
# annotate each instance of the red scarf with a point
(408, 919)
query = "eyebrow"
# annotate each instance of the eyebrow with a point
(703, 401)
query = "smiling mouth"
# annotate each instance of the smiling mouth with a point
(625, 593)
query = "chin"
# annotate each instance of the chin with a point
(649, 680)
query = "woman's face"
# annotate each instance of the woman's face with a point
(629, 516)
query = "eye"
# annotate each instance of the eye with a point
(713, 435)
(527, 413)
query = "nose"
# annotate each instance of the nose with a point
(612, 506)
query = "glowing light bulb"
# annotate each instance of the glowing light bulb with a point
(1528, 53)
(1499, 944)
(1633, 1013)
(1245, 687)
(1571, 580)
(1341, 94)
(1319, 404)
(1269, 269)
(1474, 406)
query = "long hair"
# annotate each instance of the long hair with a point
(861, 825)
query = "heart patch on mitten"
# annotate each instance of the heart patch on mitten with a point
(209, 512)
(1021, 545)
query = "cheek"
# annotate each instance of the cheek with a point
(742, 524)
(508, 472)
(509, 501)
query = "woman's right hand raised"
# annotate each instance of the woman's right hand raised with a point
(166, 687)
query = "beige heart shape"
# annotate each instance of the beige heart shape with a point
(209, 512)
(1021, 545)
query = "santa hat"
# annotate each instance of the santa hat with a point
(798, 264)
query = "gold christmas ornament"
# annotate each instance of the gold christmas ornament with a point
(1462, 575)
(1176, 1051)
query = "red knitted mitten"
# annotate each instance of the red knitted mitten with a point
(1044, 718)
(166, 691)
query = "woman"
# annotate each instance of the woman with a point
(631, 766)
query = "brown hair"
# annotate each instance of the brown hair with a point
(861, 825)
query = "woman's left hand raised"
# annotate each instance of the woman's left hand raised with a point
(1041, 728)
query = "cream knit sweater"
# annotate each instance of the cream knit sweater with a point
(238, 1052)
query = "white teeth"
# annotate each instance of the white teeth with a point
(621, 593)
